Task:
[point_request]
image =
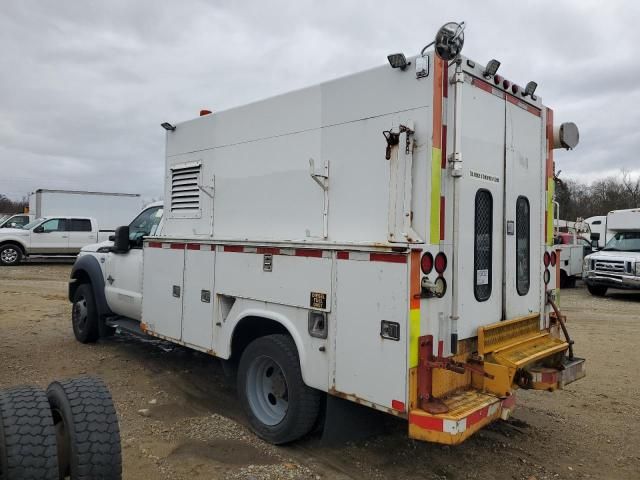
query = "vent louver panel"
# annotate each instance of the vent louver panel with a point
(185, 193)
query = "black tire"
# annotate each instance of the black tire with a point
(597, 290)
(27, 436)
(303, 401)
(84, 315)
(10, 254)
(87, 429)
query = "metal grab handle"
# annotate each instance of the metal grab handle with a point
(562, 324)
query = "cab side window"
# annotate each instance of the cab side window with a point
(54, 225)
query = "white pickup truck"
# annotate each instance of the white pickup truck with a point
(49, 236)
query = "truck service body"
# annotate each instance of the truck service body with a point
(391, 230)
(617, 265)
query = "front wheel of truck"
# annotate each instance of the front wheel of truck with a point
(10, 254)
(84, 315)
(278, 404)
(597, 290)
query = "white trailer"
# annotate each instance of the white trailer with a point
(383, 238)
(110, 210)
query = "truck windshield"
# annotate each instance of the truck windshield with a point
(145, 224)
(32, 224)
(624, 242)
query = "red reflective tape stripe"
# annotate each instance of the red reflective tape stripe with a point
(414, 281)
(482, 85)
(233, 248)
(343, 255)
(445, 80)
(271, 250)
(428, 423)
(444, 147)
(154, 245)
(509, 402)
(193, 246)
(177, 246)
(387, 257)
(512, 99)
(309, 253)
(397, 405)
(477, 416)
(442, 215)
(534, 110)
(549, 377)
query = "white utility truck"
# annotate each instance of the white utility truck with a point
(617, 265)
(597, 230)
(383, 238)
(109, 209)
(572, 245)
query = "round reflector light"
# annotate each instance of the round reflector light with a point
(546, 258)
(426, 263)
(441, 262)
(546, 276)
(497, 79)
(553, 259)
(506, 84)
(440, 287)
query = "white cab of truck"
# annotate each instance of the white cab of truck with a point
(49, 236)
(121, 274)
(18, 220)
(617, 265)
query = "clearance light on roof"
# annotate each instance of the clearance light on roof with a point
(492, 68)
(530, 89)
(398, 60)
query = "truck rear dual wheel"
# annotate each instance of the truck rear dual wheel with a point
(27, 435)
(278, 404)
(87, 431)
(10, 254)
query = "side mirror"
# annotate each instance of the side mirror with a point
(39, 229)
(595, 236)
(121, 240)
(594, 243)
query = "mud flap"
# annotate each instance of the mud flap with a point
(346, 421)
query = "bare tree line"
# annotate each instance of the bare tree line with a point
(579, 199)
(10, 206)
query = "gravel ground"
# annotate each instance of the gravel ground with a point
(180, 419)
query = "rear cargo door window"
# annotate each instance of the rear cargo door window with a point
(523, 246)
(483, 241)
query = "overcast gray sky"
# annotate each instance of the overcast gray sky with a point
(85, 84)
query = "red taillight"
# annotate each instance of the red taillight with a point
(205, 112)
(515, 88)
(553, 259)
(506, 84)
(441, 262)
(497, 79)
(546, 259)
(426, 263)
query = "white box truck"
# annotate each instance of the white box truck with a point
(383, 238)
(110, 210)
(617, 265)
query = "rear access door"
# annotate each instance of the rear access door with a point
(523, 200)
(478, 272)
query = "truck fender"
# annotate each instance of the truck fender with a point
(278, 318)
(16, 242)
(87, 267)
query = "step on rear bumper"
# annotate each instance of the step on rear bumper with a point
(469, 412)
(552, 378)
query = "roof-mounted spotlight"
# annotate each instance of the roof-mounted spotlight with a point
(168, 127)
(492, 68)
(530, 89)
(398, 60)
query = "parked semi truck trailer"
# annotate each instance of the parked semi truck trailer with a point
(384, 238)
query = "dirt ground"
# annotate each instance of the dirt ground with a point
(191, 426)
